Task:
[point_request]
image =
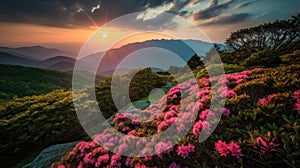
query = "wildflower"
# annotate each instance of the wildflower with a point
(221, 147)
(207, 114)
(125, 129)
(263, 101)
(162, 148)
(132, 132)
(115, 160)
(235, 149)
(225, 111)
(185, 150)
(197, 127)
(102, 159)
(174, 165)
(128, 160)
(88, 159)
(123, 148)
(264, 145)
(61, 166)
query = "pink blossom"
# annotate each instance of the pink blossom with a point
(61, 166)
(161, 126)
(88, 159)
(123, 148)
(296, 94)
(221, 147)
(174, 165)
(132, 132)
(181, 127)
(206, 127)
(128, 160)
(185, 150)
(235, 149)
(102, 159)
(135, 122)
(225, 111)
(207, 115)
(203, 93)
(263, 101)
(265, 145)
(197, 127)
(115, 160)
(162, 148)
(140, 166)
(169, 115)
(125, 129)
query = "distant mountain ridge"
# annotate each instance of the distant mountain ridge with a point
(138, 53)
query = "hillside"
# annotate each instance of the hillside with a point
(48, 119)
(22, 81)
(259, 126)
(25, 81)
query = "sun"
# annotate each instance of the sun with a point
(104, 34)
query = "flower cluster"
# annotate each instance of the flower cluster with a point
(297, 97)
(224, 149)
(265, 145)
(268, 100)
(184, 151)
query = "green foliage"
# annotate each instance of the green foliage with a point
(195, 62)
(30, 124)
(141, 83)
(293, 58)
(24, 81)
(265, 58)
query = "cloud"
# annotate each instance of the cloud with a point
(75, 13)
(239, 6)
(227, 19)
(213, 9)
(95, 8)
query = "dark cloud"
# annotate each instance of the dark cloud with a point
(212, 10)
(243, 5)
(227, 19)
(66, 13)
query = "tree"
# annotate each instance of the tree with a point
(194, 62)
(278, 35)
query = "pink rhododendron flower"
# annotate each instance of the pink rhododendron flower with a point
(115, 160)
(162, 148)
(265, 145)
(123, 148)
(197, 127)
(263, 101)
(61, 166)
(88, 159)
(181, 127)
(207, 115)
(128, 160)
(125, 129)
(169, 115)
(135, 122)
(132, 132)
(184, 151)
(221, 147)
(225, 111)
(139, 166)
(206, 127)
(174, 165)
(235, 149)
(102, 159)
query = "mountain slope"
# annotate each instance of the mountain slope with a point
(25, 81)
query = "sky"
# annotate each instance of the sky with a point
(67, 24)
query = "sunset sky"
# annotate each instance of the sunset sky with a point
(67, 24)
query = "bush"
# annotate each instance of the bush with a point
(259, 128)
(264, 58)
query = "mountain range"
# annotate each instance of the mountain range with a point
(162, 53)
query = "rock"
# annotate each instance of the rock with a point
(51, 154)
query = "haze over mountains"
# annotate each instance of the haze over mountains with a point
(134, 55)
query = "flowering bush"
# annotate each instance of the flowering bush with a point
(260, 125)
